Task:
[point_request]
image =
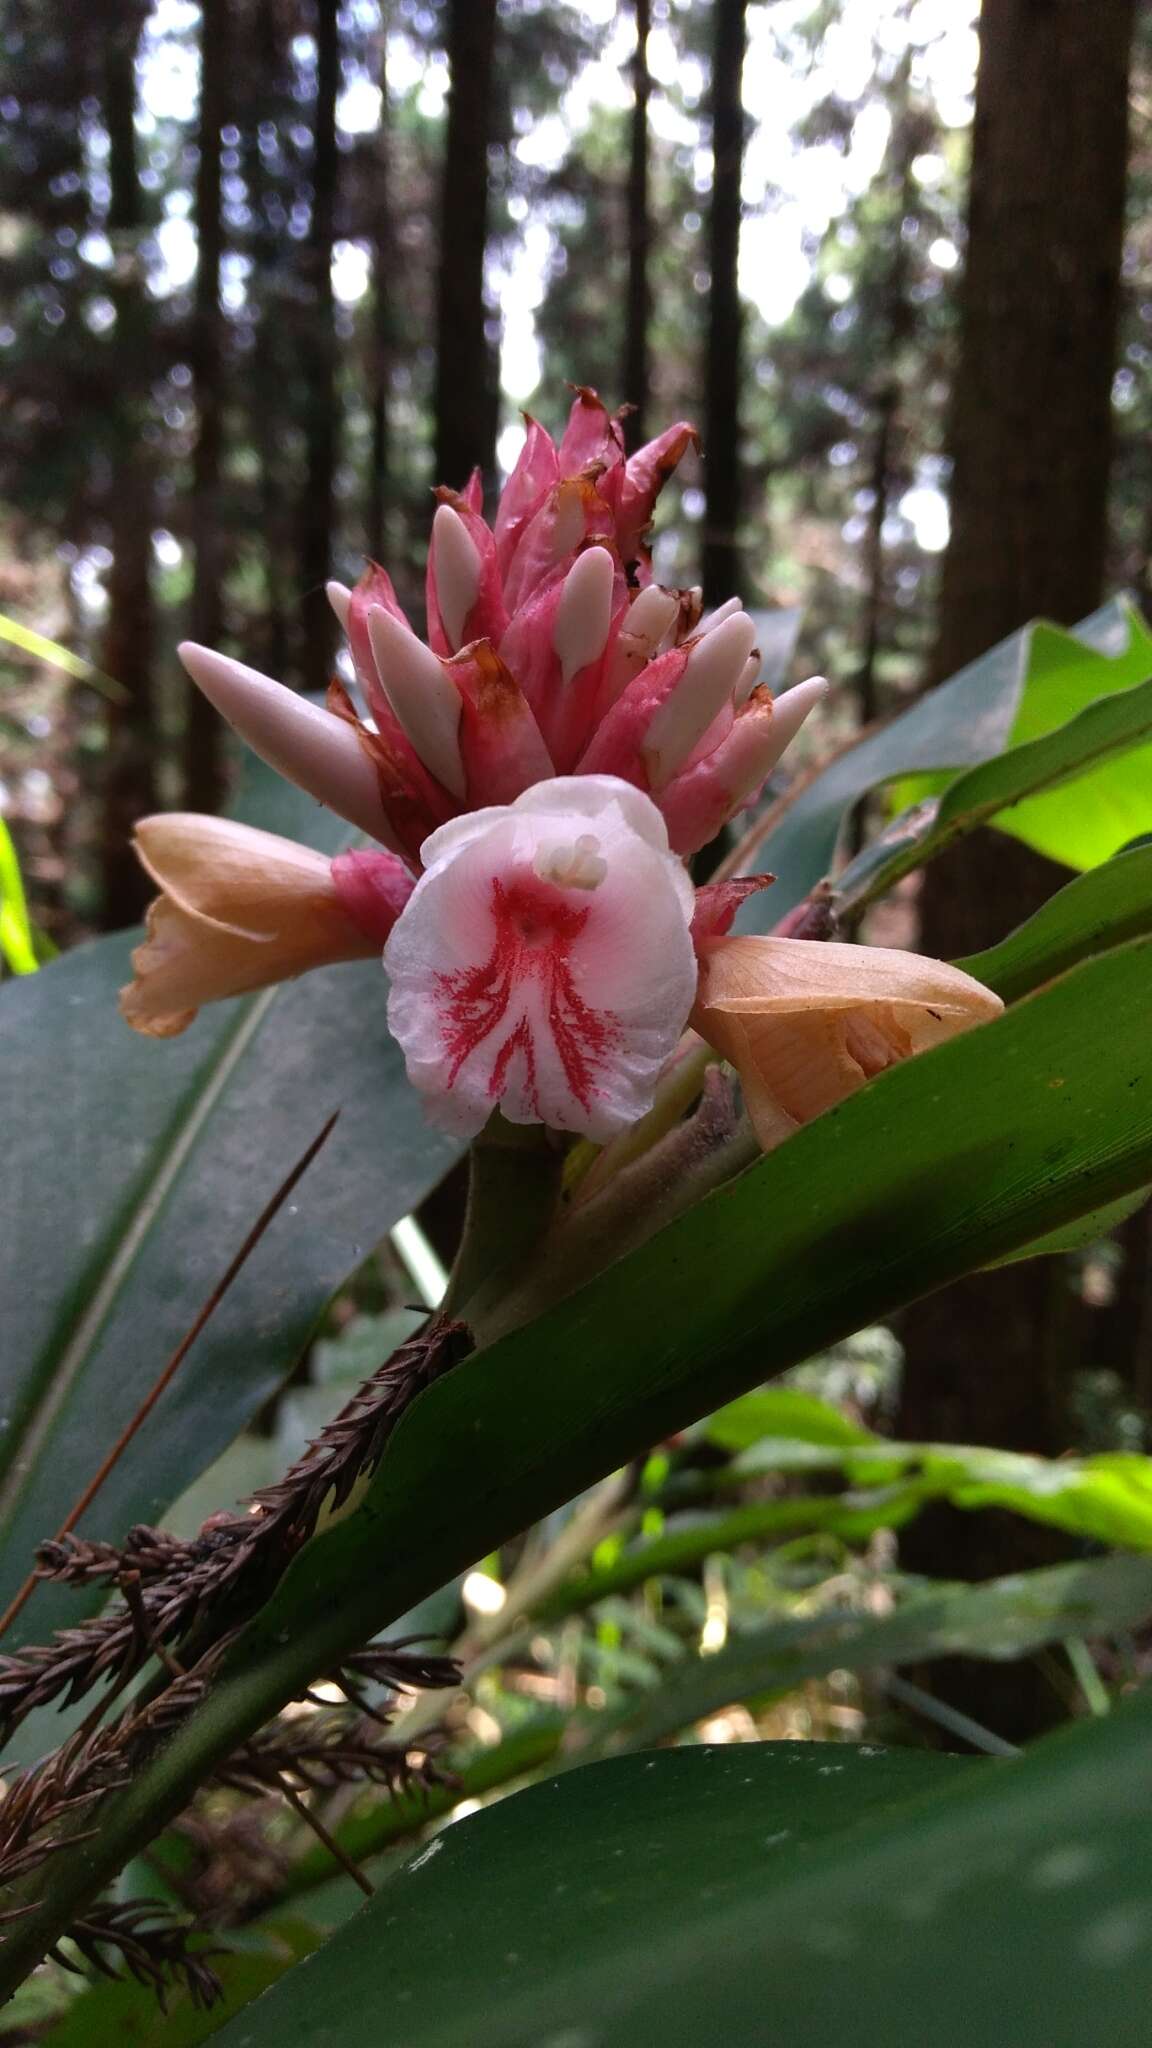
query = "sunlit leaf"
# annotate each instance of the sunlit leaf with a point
(1032, 682)
(17, 948)
(63, 658)
(1003, 789)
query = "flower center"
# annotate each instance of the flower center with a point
(568, 866)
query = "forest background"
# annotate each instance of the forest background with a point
(275, 268)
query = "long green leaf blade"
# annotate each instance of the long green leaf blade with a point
(760, 1894)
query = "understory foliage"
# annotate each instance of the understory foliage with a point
(630, 1489)
(508, 1363)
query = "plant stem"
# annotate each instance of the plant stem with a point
(515, 1174)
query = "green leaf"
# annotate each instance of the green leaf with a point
(1108, 905)
(500, 1913)
(763, 1893)
(688, 1539)
(1106, 1497)
(132, 1171)
(1085, 1231)
(50, 651)
(1086, 823)
(997, 789)
(1033, 681)
(884, 1198)
(1006, 1617)
(782, 1412)
(17, 948)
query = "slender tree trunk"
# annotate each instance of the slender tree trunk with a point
(383, 339)
(466, 390)
(723, 365)
(268, 383)
(203, 738)
(638, 312)
(898, 320)
(875, 565)
(129, 639)
(1030, 439)
(321, 404)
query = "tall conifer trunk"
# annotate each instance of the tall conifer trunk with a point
(382, 341)
(129, 639)
(638, 311)
(320, 363)
(263, 75)
(203, 739)
(465, 398)
(898, 320)
(723, 364)
(1030, 444)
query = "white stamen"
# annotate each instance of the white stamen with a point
(457, 568)
(727, 610)
(746, 683)
(584, 612)
(648, 618)
(581, 866)
(319, 753)
(421, 694)
(714, 666)
(788, 715)
(340, 598)
(790, 710)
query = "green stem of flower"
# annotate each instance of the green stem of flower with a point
(515, 1175)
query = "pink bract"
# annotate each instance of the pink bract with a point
(550, 652)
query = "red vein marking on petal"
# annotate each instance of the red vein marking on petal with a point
(535, 932)
(519, 1040)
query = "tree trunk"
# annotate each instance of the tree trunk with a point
(268, 385)
(204, 732)
(722, 372)
(897, 322)
(638, 311)
(321, 404)
(466, 389)
(875, 609)
(382, 342)
(129, 638)
(987, 1361)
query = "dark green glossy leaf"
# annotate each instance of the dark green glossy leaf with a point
(500, 1911)
(889, 1195)
(762, 1894)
